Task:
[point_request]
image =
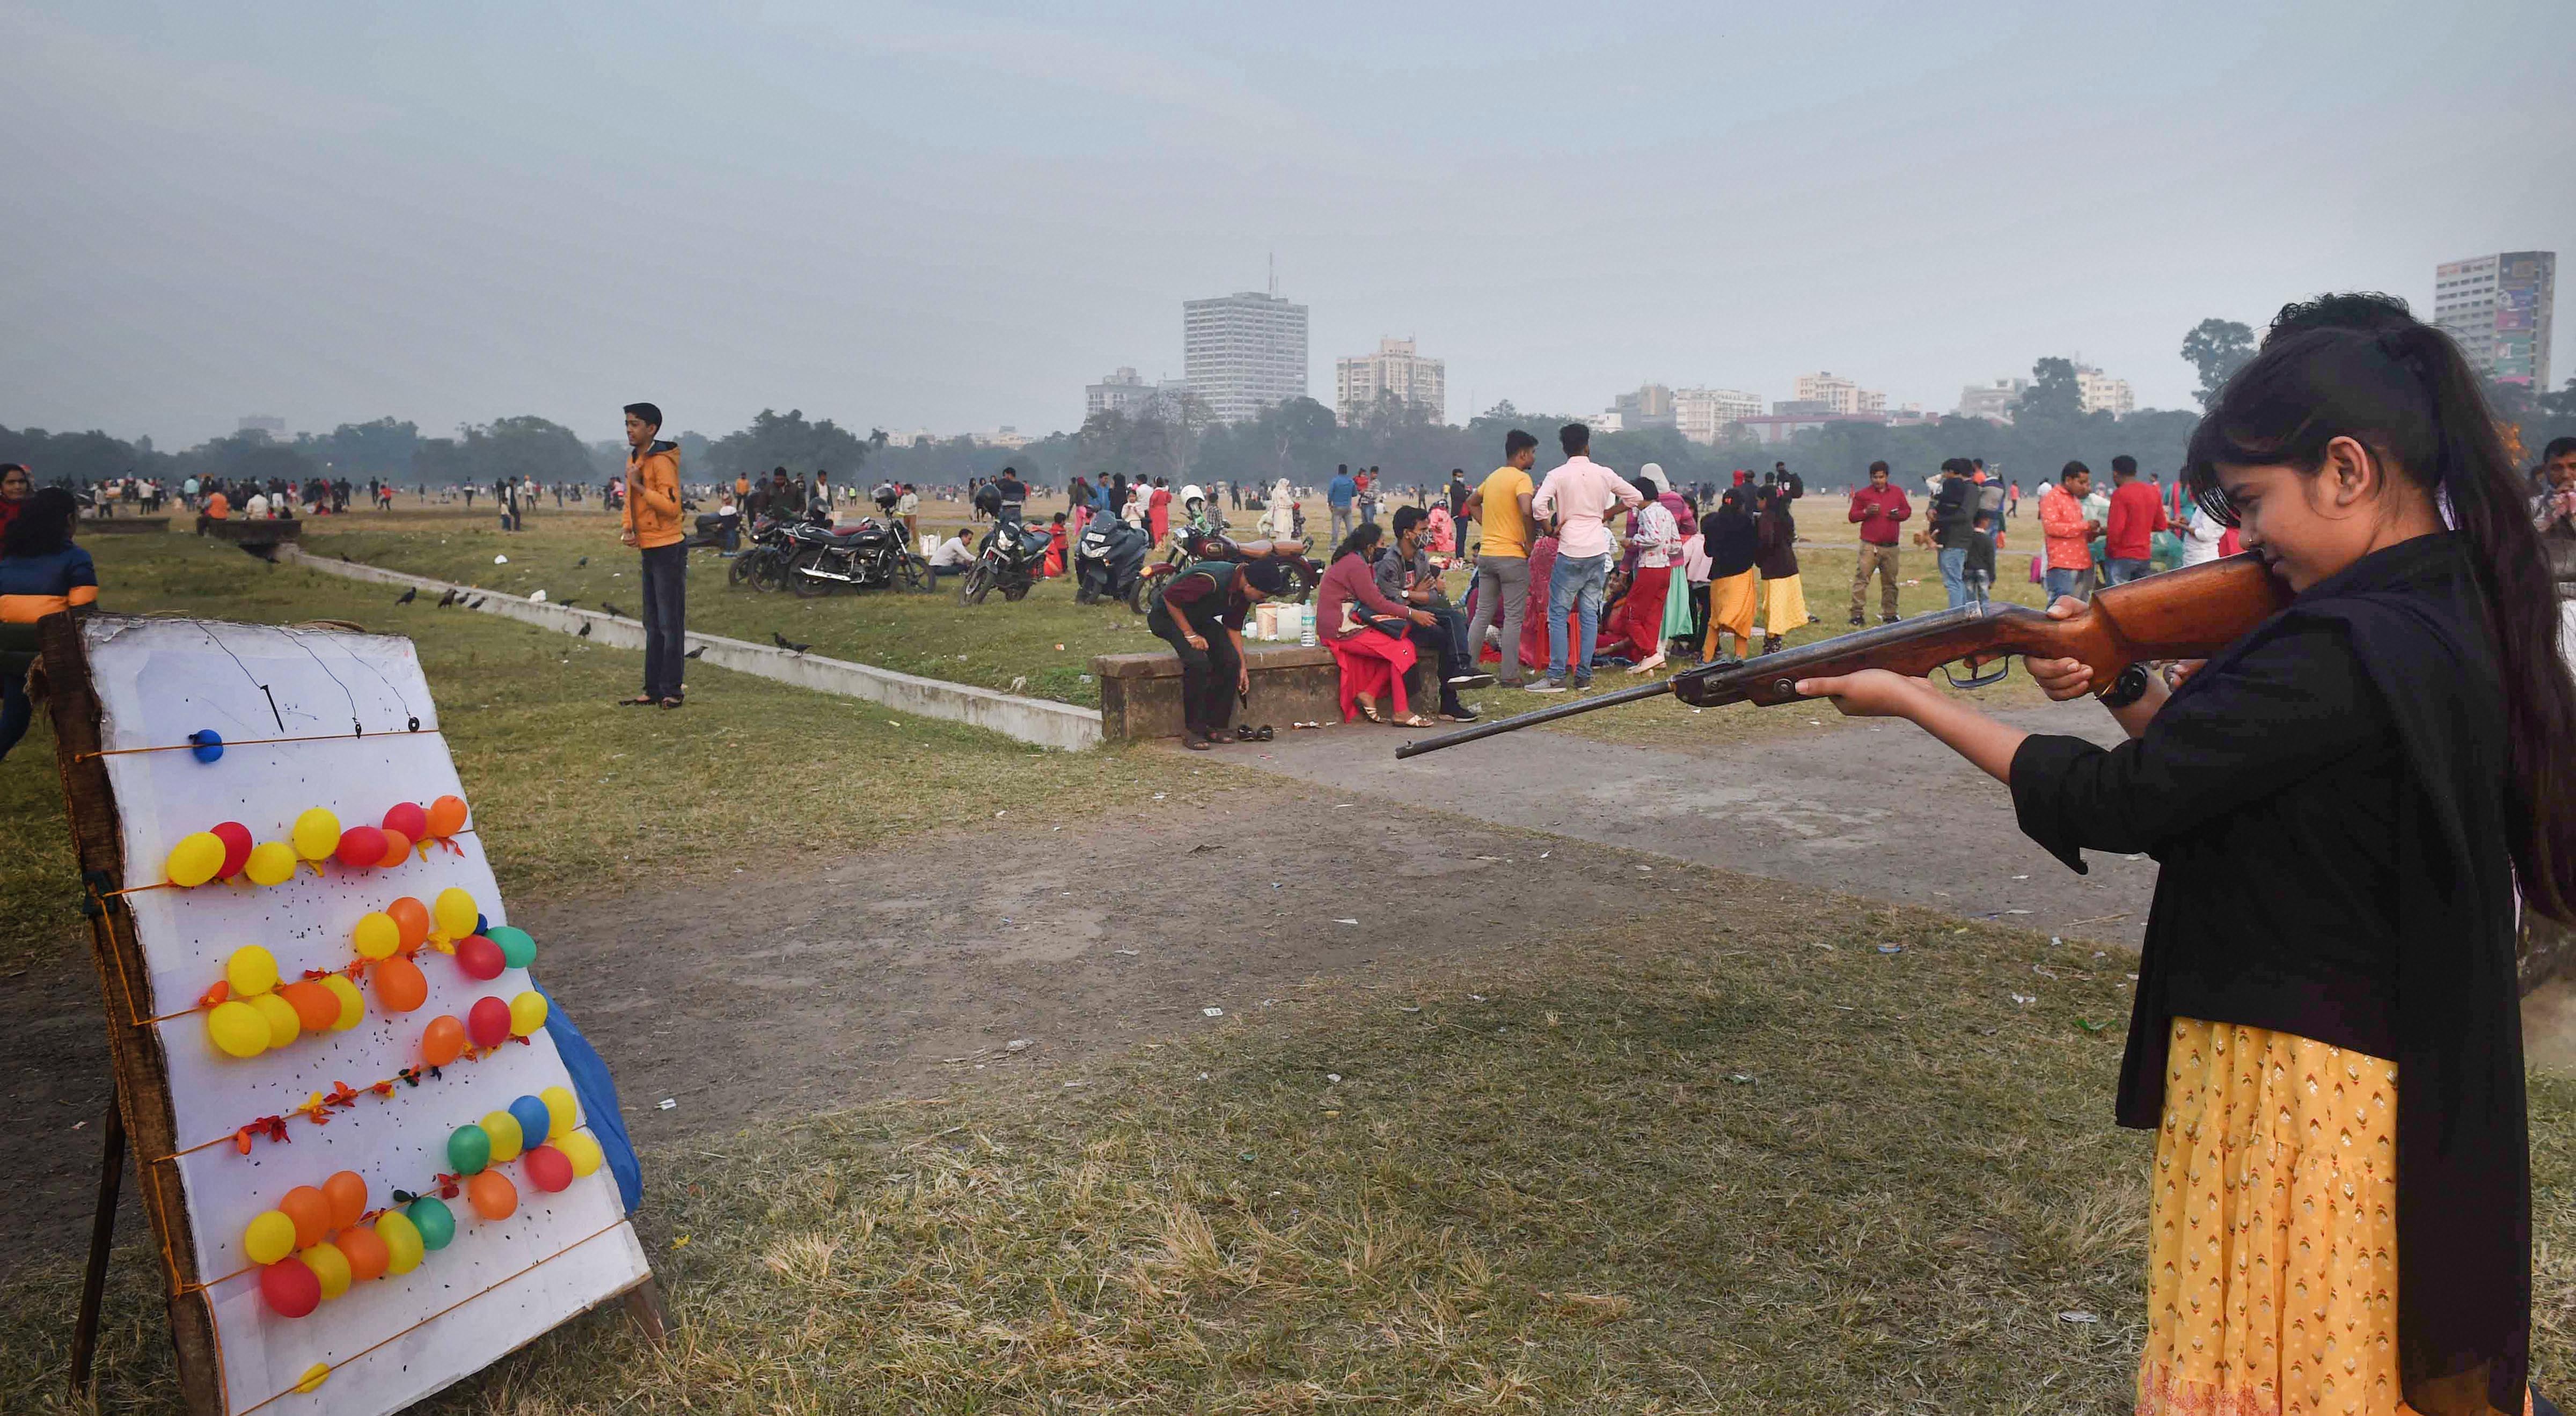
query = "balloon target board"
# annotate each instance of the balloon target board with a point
(366, 1165)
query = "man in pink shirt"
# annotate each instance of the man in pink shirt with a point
(1579, 494)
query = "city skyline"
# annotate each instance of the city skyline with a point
(913, 216)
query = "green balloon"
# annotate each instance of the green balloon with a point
(517, 949)
(435, 1221)
(469, 1149)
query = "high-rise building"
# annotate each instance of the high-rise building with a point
(1651, 406)
(1838, 395)
(2498, 308)
(2103, 393)
(1126, 392)
(269, 423)
(1992, 401)
(1243, 353)
(1703, 414)
(1394, 370)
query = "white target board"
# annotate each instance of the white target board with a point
(343, 722)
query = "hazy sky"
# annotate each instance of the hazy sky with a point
(955, 217)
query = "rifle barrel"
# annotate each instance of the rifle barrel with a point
(1656, 689)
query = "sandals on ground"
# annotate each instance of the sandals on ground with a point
(670, 703)
(641, 700)
(1415, 720)
(1368, 710)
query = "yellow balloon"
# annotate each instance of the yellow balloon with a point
(329, 1265)
(269, 1238)
(353, 1004)
(270, 863)
(563, 1112)
(237, 1029)
(455, 913)
(251, 971)
(503, 1128)
(317, 834)
(402, 1241)
(527, 1014)
(196, 858)
(283, 1025)
(582, 1149)
(377, 935)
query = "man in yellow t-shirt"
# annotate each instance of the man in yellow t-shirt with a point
(1502, 507)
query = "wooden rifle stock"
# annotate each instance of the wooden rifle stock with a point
(2189, 613)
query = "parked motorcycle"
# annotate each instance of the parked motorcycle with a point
(1010, 559)
(1188, 545)
(763, 564)
(1109, 563)
(871, 555)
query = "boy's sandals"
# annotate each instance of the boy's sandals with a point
(1368, 710)
(1415, 720)
(641, 700)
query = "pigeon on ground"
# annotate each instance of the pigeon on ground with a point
(695, 652)
(478, 602)
(585, 560)
(409, 595)
(585, 630)
(783, 644)
(447, 599)
(344, 556)
(612, 609)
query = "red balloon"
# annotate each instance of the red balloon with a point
(488, 1022)
(362, 847)
(290, 1288)
(408, 818)
(236, 839)
(479, 957)
(549, 1169)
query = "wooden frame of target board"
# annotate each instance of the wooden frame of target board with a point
(313, 717)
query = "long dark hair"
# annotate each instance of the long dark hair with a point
(43, 524)
(2402, 389)
(1357, 543)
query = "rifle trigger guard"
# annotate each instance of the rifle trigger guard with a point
(2003, 666)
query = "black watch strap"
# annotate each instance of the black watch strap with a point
(2128, 688)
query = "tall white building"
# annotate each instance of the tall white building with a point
(1838, 395)
(1243, 353)
(2498, 307)
(1992, 401)
(1125, 392)
(1394, 369)
(2103, 393)
(1702, 414)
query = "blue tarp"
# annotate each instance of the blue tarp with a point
(597, 1093)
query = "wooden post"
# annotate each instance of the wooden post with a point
(134, 1051)
(644, 1305)
(102, 1242)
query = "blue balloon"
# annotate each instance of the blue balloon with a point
(209, 744)
(482, 924)
(534, 1121)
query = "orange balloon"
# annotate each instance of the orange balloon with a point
(397, 849)
(399, 985)
(492, 1195)
(446, 816)
(366, 1252)
(411, 920)
(311, 1213)
(347, 1192)
(443, 1041)
(314, 1006)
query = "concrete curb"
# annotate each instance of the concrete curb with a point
(1030, 720)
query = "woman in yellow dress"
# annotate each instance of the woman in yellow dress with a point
(2345, 804)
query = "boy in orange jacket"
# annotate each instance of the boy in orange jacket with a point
(651, 524)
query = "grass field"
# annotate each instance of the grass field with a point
(1764, 1151)
(570, 790)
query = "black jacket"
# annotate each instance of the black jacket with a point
(2329, 801)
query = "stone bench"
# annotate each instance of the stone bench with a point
(1140, 694)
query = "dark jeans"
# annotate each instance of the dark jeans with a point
(666, 590)
(2121, 572)
(1444, 642)
(16, 710)
(1207, 675)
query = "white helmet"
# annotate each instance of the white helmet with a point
(1192, 493)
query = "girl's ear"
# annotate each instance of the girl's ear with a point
(2352, 473)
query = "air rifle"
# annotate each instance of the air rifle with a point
(2189, 613)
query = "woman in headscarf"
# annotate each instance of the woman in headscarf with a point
(1349, 607)
(1784, 598)
(1732, 541)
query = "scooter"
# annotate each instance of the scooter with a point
(1109, 563)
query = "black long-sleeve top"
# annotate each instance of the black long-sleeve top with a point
(1777, 556)
(1731, 541)
(2329, 801)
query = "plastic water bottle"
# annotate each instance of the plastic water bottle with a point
(1306, 625)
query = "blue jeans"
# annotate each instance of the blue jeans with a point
(2121, 572)
(1574, 584)
(1954, 574)
(2063, 583)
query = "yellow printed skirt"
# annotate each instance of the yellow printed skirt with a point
(1784, 604)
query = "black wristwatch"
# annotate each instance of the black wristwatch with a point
(2128, 688)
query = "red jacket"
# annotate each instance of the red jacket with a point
(1880, 530)
(2137, 513)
